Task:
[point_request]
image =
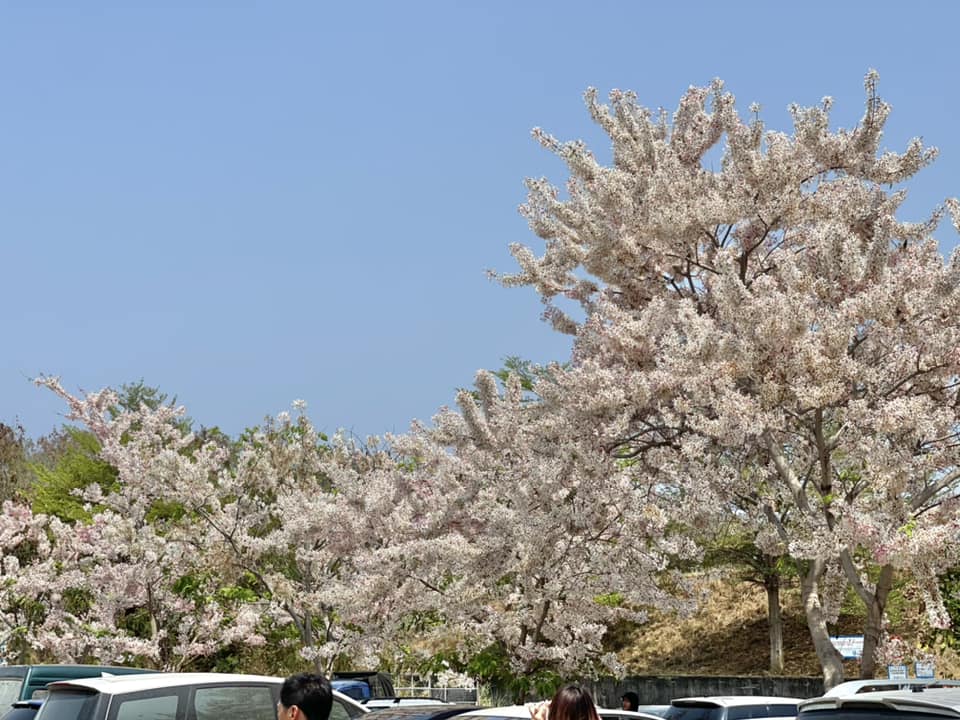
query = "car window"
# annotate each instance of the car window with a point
(251, 702)
(69, 705)
(9, 691)
(746, 712)
(694, 712)
(139, 707)
(782, 709)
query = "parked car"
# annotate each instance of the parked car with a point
(21, 682)
(918, 703)
(659, 710)
(854, 687)
(175, 696)
(395, 702)
(522, 712)
(731, 707)
(23, 710)
(436, 711)
(364, 685)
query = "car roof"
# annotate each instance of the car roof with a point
(118, 684)
(942, 701)
(735, 700)
(122, 684)
(523, 711)
(421, 712)
(851, 687)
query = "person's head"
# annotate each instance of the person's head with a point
(630, 701)
(572, 703)
(305, 697)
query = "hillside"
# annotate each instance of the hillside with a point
(728, 636)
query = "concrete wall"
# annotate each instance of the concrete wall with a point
(655, 690)
(660, 690)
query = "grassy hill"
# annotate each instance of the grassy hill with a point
(728, 635)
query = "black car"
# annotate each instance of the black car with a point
(421, 712)
(22, 710)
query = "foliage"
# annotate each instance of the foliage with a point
(768, 335)
(77, 466)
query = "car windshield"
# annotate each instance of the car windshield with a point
(694, 712)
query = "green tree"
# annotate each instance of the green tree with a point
(69, 459)
(76, 466)
(15, 472)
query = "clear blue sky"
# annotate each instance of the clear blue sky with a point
(246, 203)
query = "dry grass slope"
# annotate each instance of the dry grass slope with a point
(726, 636)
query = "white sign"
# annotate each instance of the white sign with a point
(897, 672)
(924, 670)
(850, 646)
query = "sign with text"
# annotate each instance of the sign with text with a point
(897, 672)
(925, 670)
(850, 646)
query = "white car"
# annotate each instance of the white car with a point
(919, 703)
(522, 712)
(176, 696)
(732, 707)
(855, 687)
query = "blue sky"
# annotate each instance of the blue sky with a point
(246, 203)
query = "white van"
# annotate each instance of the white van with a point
(175, 696)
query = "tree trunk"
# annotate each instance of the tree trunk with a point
(775, 621)
(874, 623)
(831, 662)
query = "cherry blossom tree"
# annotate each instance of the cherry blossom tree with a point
(518, 535)
(201, 515)
(148, 573)
(768, 332)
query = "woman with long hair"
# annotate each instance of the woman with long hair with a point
(571, 702)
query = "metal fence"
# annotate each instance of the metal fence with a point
(447, 694)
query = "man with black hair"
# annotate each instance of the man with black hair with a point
(305, 697)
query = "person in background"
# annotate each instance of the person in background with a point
(305, 697)
(630, 701)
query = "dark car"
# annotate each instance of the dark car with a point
(363, 685)
(23, 710)
(20, 682)
(421, 712)
(22, 686)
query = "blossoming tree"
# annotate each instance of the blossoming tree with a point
(148, 575)
(200, 516)
(516, 532)
(769, 330)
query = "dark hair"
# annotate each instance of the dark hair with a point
(632, 698)
(572, 703)
(311, 693)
